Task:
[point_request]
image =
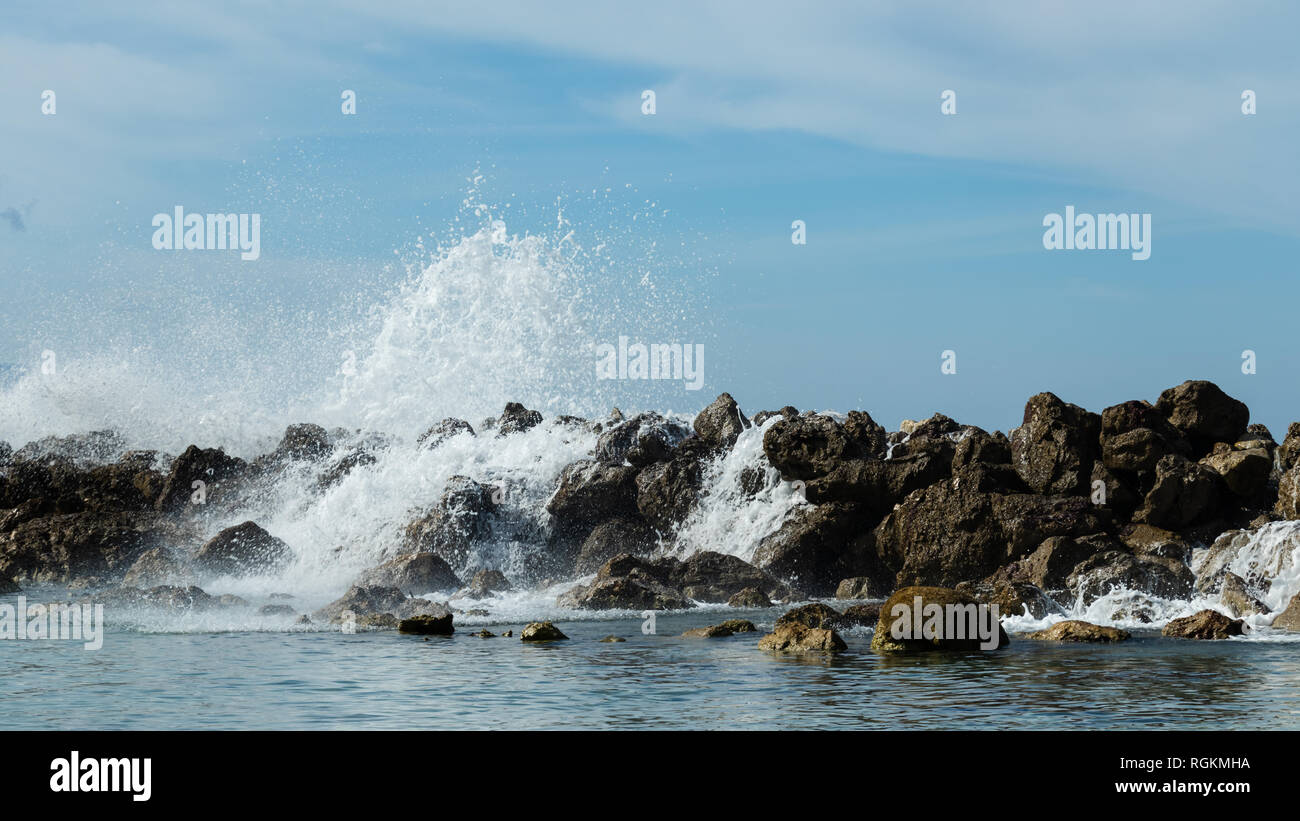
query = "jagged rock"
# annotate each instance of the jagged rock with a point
(1184, 492)
(958, 531)
(857, 615)
(372, 601)
(1119, 494)
(541, 631)
(749, 597)
(1288, 494)
(638, 592)
(885, 642)
(462, 517)
(8, 585)
(1238, 599)
(715, 577)
(1051, 563)
(83, 449)
(858, 587)
(1134, 436)
(629, 582)
(721, 423)
(164, 597)
(817, 545)
(412, 572)
(793, 637)
(811, 615)
(1288, 453)
(1204, 413)
(428, 624)
(343, 465)
(1055, 446)
(1010, 597)
(305, 442)
(806, 447)
(591, 492)
(444, 430)
(977, 446)
(1082, 631)
(608, 539)
(1206, 624)
(1289, 619)
(211, 466)
(1156, 541)
(516, 419)
(243, 550)
(739, 626)
(157, 567)
(642, 440)
(1121, 570)
(1245, 472)
(788, 412)
(486, 583)
(667, 491)
(64, 547)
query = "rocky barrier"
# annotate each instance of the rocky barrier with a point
(1162, 499)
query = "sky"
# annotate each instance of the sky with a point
(924, 230)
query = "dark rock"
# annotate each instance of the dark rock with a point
(1204, 413)
(462, 518)
(1288, 453)
(486, 583)
(811, 615)
(370, 601)
(591, 492)
(817, 545)
(739, 626)
(413, 572)
(977, 446)
(667, 491)
(1010, 597)
(1184, 492)
(1051, 563)
(64, 547)
(713, 632)
(1080, 631)
(885, 642)
(788, 412)
(443, 431)
(749, 597)
(1135, 435)
(82, 449)
(715, 577)
(243, 550)
(1244, 472)
(428, 625)
(157, 567)
(212, 466)
(1206, 624)
(613, 639)
(275, 610)
(1238, 599)
(608, 539)
(857, 615)
(305, 442)
(642, 440)
(721, 423)
(516, 419)
(1120, 570)
(794, 637)
(8, 585)
(806, 447)
(1120, 496)
(859, 587)
(1055, 446)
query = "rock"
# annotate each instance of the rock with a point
(412, 572)
(857, 615)
(1134, 436)
(713, 577)
(642, 440)
(212, 466)
(462, 518)
(739, 626)
(82, 449)
(541, 631)
(1055, 446)
(64, 547)
(156, 567)
(162, 597)
(592, 492)
(721, 423)
(343, 465)
(1245, 472)
(1207, 624)
(749, 597)
(977, 446)
(904, 601)
(794, 637)
(1051, 563)
(8, 585)
(625, 593)
(958, 530)
(428, 625)
(817, 545)
(1184, 492)
(613, 639)
(367, 601)
(516, 419)
(1075, 630)
(1012, 598)
(858, 587)
(1120, 570)
(1204, 413)
(1288, 494)
(275, 610)
(1289, 619)
(243, 550)
(1288, 453)
(788, 412)
(811, 615)
(304, 442)
(1238, 599)
(441, 432)
(486, 583)
(1120, 495)
(624, 534)
(667, 491)
(485, 634)
(713, 632)
(806, 447)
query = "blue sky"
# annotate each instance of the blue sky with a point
(924, 230)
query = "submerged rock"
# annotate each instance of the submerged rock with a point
(243, 550)
(1207, 624)
(1081, 631)
(796, 637)
(428, 624)
(712, 632)
(613, 639)
(885, 642)
(541, 631)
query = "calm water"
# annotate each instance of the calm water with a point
(327, 680)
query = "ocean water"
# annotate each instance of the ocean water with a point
(271, 679)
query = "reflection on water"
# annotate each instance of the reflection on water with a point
(275, 680)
